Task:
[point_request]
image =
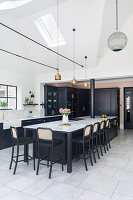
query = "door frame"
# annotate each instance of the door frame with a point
(124, 96)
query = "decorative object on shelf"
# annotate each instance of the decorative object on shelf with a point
(64, 112)
(117, 40)
(74, 81)
(31, 100)
(57, 76)
(103, 116)
(85, 83)
(26, 100)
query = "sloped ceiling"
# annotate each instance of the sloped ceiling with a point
(94, 21)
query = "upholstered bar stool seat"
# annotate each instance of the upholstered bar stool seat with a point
(23, 141)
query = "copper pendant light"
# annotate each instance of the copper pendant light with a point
(85, 83)
(74, 81)
(57, 76)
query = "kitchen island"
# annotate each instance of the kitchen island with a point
(68, 132)
(5, 133)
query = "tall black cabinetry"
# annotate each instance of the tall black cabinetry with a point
(107, 102)
(51, 100)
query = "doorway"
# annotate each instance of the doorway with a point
(128, 108)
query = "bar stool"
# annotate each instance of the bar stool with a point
(18, 141)
(94, 140)
(45, 139)
(85, 141)
(107, 127)
(101, 137)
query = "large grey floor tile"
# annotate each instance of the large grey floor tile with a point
(86, 195)
(120, 197)
(38, 187)
(21, 183)
(16, 195)
(125, 188)
(59, 191)
(100, 185)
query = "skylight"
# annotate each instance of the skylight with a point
(13, 4)
(48, 29)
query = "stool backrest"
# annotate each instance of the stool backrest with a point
(95, 127)
(14, 133)
(102, 125)
(108, 123)
(45, 134)
(87, 130)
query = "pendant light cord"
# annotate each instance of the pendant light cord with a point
(117, 25)
(73, 52)
(85, 66)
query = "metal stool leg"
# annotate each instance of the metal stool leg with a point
(12, 156)
(16, 160)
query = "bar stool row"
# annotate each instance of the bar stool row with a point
(94, 138)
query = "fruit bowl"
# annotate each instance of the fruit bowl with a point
(103, 116)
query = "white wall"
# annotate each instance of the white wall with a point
(24, 83)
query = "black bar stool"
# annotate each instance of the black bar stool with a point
(101, 137)
(94, 146)
(85, 141)
(46, 139)
(107, 127)
(18, 141)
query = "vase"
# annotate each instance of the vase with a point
(65, 119)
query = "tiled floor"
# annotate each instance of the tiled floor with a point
(111, 178)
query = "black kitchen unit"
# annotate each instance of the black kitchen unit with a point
(128, 108)
(107, 101)
(79, 100)
(51, 100)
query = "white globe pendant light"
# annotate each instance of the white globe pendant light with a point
(117, 40)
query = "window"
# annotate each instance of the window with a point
(48, 29)
(8, 94)
(13, 4)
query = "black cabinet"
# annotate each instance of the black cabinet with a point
(51, 100)
(83, 102)
(107, 102)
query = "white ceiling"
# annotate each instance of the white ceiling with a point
(93, 19)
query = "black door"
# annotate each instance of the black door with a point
(128, 108)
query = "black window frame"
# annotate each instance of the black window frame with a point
(7, 97)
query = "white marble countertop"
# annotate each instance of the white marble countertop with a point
(17, 122)
(75, 125)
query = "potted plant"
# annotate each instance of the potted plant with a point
(3, 104)
(64, 112)
(26, 100)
